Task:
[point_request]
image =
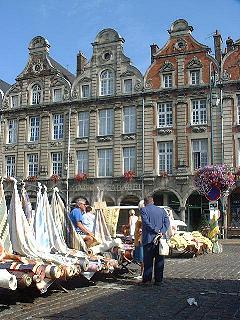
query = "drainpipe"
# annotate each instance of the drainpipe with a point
(211, 119)
(143, 147)
(68, 158)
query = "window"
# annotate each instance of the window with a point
(36, 94)
(165, 156)
(10, 166)
(57, 95)
(85, 90)
(82, 161)
(195, 77)
(32, 164)
(57, 163)
(15, 101)
(129, 120)
(127, 86)
(167, 80)
(12, 131)
(83, 124)
(165, 116)
(238, 107)
(106, 82)
(106, 122)
(199, 153)
(129, 159)
(34, 124)
(199, 112)
(58, 121)
(105, 163)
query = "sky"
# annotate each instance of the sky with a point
(72, 25)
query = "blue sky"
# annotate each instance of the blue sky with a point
(72, 25)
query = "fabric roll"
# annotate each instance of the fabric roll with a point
(105, 246)
(23, 279)
(53, 272)
(7, 280)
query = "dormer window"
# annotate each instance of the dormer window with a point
(195, 77)
(127, 85)
(167, 80)
(36, 94)
(85, 91)
(57, 95)
(15, 101)
(106, 83)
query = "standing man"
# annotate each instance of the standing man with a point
(154, 221)
(76, 217)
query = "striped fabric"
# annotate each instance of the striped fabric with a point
(4, 227)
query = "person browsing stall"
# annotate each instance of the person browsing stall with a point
(154, 222)
(76, 217)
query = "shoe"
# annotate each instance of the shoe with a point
(144, 283)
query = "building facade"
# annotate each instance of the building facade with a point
(110, 132)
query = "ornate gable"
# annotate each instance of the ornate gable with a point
(167, 67)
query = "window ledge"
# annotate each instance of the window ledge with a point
(198, 128)
(10, 146)
(81, 140)
(164, 131)
(129, 136)
(104, 138)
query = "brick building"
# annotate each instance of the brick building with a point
(91, 128)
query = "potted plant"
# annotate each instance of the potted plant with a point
(32, 178)
(81, 176)
(55, 178)
(129, 175)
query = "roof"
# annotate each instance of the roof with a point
(4, 86)
(68, 75)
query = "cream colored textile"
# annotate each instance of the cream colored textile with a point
(4, 226)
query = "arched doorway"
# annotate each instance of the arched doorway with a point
(109, 201)
(128, 200)
(197, 211)
(234, 213)
(167, 198)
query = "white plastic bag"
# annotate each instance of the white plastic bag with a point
(163, 247)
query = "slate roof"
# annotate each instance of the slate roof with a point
(67, 74)
(4, 86)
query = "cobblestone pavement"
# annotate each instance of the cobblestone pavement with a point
(212, 279)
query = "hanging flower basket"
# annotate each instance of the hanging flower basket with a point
(55, 178)
(81, 176)
(163, 174)
(129, 175)
(210, 179)
(32, 178)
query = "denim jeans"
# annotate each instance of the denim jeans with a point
(150, 257)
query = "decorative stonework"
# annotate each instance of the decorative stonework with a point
(81, 140)
(138, 86)
(126, 137)
(104, 138)
(10, 147)
(167, 67)
(195, 63)
(164, 131)
(148, 84)
(31, 145)
(199, 129)
(56, 143)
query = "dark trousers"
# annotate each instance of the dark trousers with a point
(150, 251)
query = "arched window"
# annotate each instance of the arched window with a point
(106, 83)
(36, 94)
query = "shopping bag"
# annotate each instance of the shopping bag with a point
(163, 247)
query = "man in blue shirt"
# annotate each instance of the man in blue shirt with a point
(76, 217)
(154, 221)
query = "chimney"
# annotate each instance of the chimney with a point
(218, 46)
(154, 48)
(229, 44)
(81, 62)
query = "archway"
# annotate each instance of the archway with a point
(197, 211)
(109, 201)
(127, 200)
(234, 213)
(167, 198)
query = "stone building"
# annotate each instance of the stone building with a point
(193, 101)
(108, 132)
(4, 86)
